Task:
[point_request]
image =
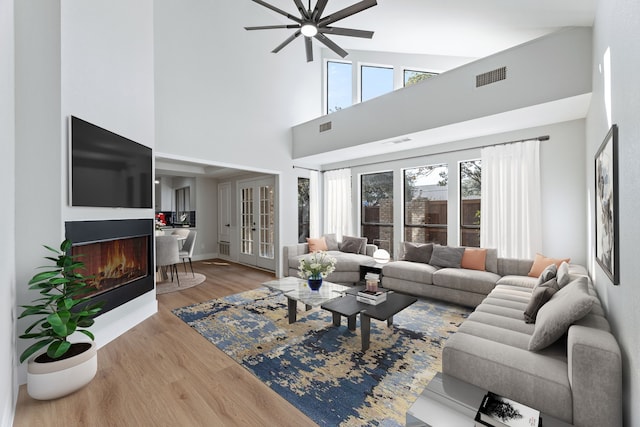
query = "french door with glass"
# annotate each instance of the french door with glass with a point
(257, 221)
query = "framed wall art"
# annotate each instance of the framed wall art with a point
(606, 205)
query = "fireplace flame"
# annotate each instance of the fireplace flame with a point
(114, 263)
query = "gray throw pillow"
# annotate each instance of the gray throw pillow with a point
(566, 306)
(563, 275)
(417, 252)
(547, 274)
(354, 245)
(332, 242)
(446, 256)
(540, 296)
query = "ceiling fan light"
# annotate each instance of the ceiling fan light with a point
(309, 29)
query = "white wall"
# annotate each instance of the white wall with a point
(551, 68)
(206, 193)
(38, 142)
(107, 79)
(9, 384)
(92, 59)
(562, 184)
(223, 97)
(616, 99)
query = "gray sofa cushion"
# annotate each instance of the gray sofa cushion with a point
(410, 271)
(540, 296)
(481, 282)
(417, 252)
(446, 256)
(355, 245)
(520, 281)
(563, 275)
(491, 263)
(547, 274)
(568, 305)
(332, 242)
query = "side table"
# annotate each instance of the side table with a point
(448, 401)
(364, 269)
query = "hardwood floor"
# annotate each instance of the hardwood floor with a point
(163, 373)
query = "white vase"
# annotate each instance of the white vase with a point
(51, 380)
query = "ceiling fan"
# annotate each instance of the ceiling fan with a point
(311, 23)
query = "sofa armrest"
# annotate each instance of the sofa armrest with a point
(595, 375)
(289, 251)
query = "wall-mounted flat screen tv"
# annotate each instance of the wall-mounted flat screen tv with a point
(108, 170)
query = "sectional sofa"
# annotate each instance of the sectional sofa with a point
(567, 363)
(350, 253)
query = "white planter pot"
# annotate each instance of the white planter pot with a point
(52, 380)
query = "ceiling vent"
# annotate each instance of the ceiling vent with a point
(491, 76)
(325, 126)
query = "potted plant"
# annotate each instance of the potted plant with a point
(315, 268)
(62, 309)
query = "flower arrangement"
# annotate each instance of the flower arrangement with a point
(319, 264)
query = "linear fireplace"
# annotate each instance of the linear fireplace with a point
(118, 255)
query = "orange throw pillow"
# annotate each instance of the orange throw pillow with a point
(318, 244)
(541, 262)
(474, 259)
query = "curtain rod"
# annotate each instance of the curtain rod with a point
(539, 138)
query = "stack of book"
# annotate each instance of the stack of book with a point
(371, 297)
(498, 411)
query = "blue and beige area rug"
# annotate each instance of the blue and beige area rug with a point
(321, 369)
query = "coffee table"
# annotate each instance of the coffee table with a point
(296, 289)
(350, 307)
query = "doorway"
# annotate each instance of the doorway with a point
(257, 220)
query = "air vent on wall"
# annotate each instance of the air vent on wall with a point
(325, 126)
(491, 76)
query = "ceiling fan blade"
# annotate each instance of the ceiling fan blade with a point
(286, 42)
(303, 12)
(280, 11)
(331, 45)
(272, 27)
(317, 11)
(308, 48)
(347, 11)
(346, 32)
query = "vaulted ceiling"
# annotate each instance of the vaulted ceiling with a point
(465, 28)
(469, 28)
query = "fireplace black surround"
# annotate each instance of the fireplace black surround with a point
(87, 232)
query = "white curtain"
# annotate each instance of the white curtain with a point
(511, 211)
(337, 202)
(314, 204)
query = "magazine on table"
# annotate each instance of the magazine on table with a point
(499, 411)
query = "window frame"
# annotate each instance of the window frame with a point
(363, 222)
(326, 82)
(405, 70)
(360, 81)
(425, 225)
(463, 226)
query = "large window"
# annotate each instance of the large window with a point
(425, 204)
(412, 77)
(375, 81)
(339, 86)
(303, 209)
(377, 209)
(470, 192)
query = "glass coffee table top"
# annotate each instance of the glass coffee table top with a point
(297, 289)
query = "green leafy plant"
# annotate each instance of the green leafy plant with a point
(63, 307)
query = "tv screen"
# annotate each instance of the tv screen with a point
(108, 170)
